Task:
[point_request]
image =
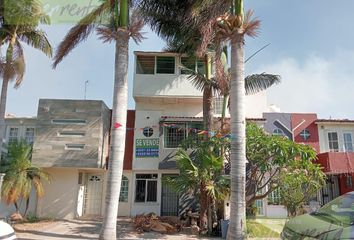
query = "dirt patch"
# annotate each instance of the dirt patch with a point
(26, 226)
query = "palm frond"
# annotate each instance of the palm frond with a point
(258, 82)
(19, 64)
(79, 33)
(135, 27)
(251, 26)
(38, 40)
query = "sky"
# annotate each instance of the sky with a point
(311, 48)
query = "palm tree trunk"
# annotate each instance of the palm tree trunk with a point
(207, 108)
(119, 118)
(203, 218)
(207, 98)
(5, 84)
(238, 142)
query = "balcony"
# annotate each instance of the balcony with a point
(159, 75)
(336, 162)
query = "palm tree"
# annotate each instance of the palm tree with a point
(20, 176)
(119, 29)
(231, 26)
(200, 175)
(16, 29)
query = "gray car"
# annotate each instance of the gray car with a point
(335, 220)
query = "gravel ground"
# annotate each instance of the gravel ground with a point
(86, 229)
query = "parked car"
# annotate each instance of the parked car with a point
(6, 231)
(335, 220)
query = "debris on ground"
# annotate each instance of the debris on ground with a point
(151, 222)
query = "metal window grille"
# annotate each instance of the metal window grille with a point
(13, 135)
(123, 196)
(218, 101)
(29, 135)
(348, 142)
(188, 65)
(174, 135)
(333, 142)
(165, 65)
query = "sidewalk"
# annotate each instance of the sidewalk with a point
(88, 229)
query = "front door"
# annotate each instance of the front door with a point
(93, 194)
(169, 200)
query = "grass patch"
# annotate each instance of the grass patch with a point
(257, 230)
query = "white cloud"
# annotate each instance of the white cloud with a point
(316, 84)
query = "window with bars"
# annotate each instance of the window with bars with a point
(124, 187)
(333, 142)
(29, 135)
(165, 65)
(13, 134)
(274, 197)
(176, 133)
(146, 188)
(189, 63)
(348, 142)
(218, 101)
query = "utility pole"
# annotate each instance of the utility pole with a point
(86, 83)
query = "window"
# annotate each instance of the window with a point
(29, 135)
(165, 65)
(74, 146)
(145, 64)
(305, 134)
(348, 142)
(189, 63)
(218, 101)
(123, 196)
(69, 121)
(278, 132)
(148, 131)
(176, 133)
(333, 141)
(71, 134)
(146, 188)
(274, 197)
(200, 66)
(13, 135)
(349, 181)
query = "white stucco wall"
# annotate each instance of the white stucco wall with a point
(256, 105)
(61, 195)
(325, 128)
(275, 211)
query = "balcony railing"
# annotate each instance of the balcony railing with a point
(336, 162)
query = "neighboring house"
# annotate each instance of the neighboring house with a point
(336, 156)
(168, 110)
(298, 127)
(18, 129)
(72, 146)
